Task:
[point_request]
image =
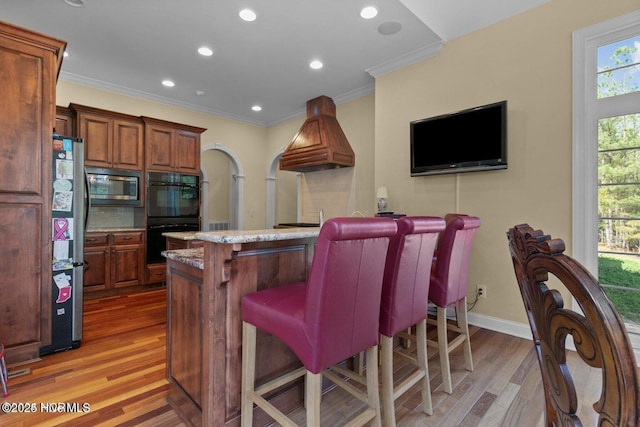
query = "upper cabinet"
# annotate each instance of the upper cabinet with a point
(64, 122)
(112, 140)
(172, 147)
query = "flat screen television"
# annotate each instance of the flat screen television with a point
(470, 140)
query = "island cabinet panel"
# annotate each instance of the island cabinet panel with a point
(112, 140)
(174, 243)
(185, 363)
(172, 147)
(29, 64)
(205, 387)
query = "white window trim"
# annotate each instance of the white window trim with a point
(586, 111)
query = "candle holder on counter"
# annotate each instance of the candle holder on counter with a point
(382, 197)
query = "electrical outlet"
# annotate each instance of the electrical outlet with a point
(482, 291)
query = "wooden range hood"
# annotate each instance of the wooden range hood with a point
(320, 143)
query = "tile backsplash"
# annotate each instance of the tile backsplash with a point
(333, 191)
(115, 217)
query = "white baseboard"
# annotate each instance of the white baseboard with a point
(520, 330)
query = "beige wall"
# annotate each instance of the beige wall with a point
(527, 61)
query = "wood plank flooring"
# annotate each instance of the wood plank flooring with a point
(119, 371)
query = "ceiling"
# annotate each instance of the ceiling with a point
(130, 46)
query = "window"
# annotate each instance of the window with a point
(618, 68)
(606, 160)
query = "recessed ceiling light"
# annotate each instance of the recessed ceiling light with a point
(74, 3)
(316, 65)
(205, 51)
(168, 83)
(256, 108)
(369, 12)
(200, 93)
(247, 15)
(65, 54)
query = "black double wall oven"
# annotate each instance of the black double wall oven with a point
(173, 205)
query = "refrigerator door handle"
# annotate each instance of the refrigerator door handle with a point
(87, 199)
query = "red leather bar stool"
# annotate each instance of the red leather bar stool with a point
(448, 288)
(325, 320)
(405, 291)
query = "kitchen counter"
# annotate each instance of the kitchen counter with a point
(114, 229)
(250, 236)
(192, 257)
(181, 235)
(205, 287)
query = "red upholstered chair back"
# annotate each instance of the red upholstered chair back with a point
(405, 286)
(450, 273)
(342, 305)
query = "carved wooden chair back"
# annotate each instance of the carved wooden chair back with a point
(599, 334)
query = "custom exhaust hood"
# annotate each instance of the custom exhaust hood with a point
(320, 143)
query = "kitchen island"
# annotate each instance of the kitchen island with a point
(182, 240)
(204, 326)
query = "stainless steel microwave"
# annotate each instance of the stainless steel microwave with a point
(113, 187)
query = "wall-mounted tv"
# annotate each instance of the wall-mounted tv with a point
(470, 140)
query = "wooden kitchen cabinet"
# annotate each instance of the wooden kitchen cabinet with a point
(128, 263)
(29, 64)
(113, 260)
(172, 147)
(97, 260)
(157, 273)
(112, 140)
(175, 243)
(64, 122)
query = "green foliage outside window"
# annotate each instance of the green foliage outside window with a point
(619, 183)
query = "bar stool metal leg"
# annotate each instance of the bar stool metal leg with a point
(3, 372)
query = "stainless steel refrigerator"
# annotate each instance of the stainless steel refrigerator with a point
(67, 235)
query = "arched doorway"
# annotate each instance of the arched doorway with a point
(236, 190)
(272, 193)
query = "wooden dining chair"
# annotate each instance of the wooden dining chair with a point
(598, 332)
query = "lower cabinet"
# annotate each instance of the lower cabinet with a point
(157, 273)
(113, 260)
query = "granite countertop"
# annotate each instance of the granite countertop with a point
(195, 257)
(266, 235)
(192, 257)
(181, 235)
(114, 229)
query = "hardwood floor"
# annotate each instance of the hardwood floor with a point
(119, 371)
